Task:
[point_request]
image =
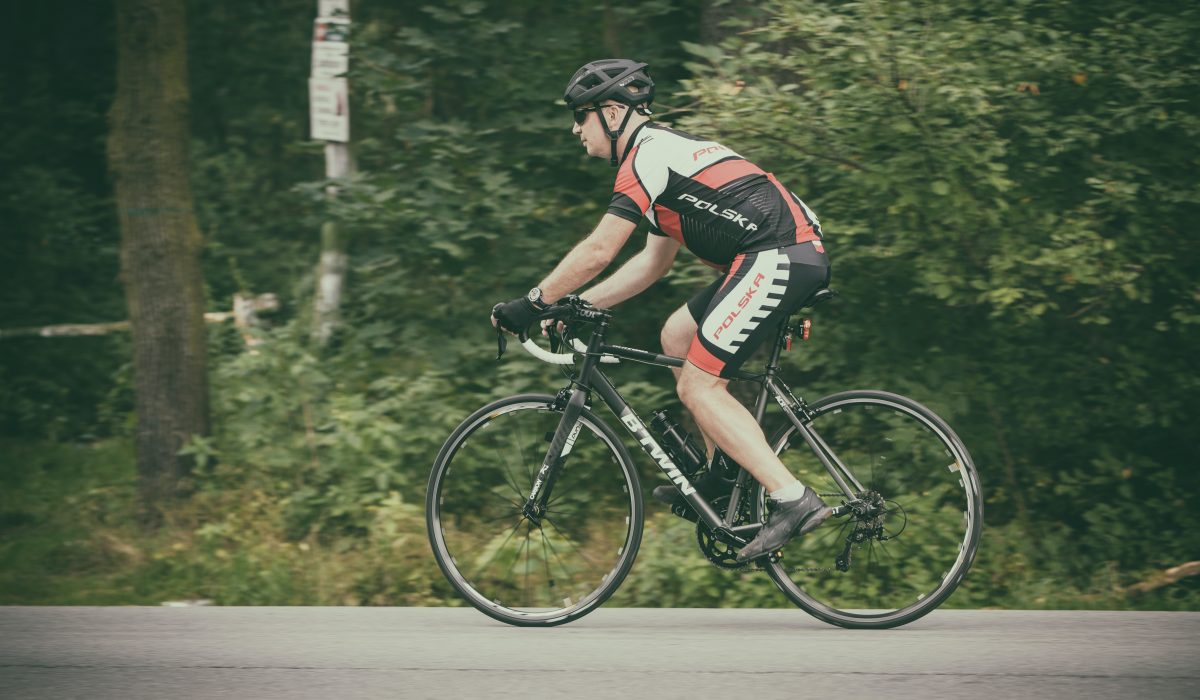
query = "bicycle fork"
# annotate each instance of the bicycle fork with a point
(560, 446)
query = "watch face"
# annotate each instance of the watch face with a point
(535, 295)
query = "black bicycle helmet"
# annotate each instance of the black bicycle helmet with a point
(617, 79)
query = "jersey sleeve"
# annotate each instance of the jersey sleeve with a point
(639, 182)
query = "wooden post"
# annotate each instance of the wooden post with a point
(330, 119)
(331, 270)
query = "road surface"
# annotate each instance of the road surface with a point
(131, 652)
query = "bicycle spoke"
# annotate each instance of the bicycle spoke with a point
(500, 548)
(504, 500)
(520, 439)
(508, 478)
(571, 541)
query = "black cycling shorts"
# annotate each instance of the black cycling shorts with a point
(743, 308)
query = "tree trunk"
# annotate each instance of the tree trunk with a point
(160, 242)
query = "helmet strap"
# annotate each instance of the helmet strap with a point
(614, 135)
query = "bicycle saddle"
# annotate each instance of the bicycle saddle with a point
(818, 296)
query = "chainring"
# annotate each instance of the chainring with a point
(718, 553)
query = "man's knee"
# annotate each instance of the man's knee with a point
(677, 332)
(694, 383)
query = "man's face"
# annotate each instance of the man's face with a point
(591, 133)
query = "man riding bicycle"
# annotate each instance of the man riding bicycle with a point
(736, 218)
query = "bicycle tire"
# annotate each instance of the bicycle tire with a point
(866, 429)
(596, 490)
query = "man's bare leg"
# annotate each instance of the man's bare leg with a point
(731, 425)
(677, 334)
(723, 419)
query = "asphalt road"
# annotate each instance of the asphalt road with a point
(441, 652)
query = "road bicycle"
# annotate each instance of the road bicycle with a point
(534, 505)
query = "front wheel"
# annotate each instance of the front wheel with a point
(533, 572)
(919, 517)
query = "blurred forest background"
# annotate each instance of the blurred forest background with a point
(1008, 190)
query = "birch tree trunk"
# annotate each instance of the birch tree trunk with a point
(160, 242)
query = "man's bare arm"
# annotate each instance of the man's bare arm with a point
(641, 271)
(587, 259)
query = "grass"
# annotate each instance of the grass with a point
(68, 536)
(55, 501)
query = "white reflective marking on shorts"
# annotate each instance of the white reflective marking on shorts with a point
(731, 321)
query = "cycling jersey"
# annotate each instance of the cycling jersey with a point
(707, 197)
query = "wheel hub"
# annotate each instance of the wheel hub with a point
(870, 511)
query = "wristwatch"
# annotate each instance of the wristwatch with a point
(535, 298)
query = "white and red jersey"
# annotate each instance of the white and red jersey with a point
(707, 197)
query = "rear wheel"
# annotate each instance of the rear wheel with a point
(521, 571)
(918, 522)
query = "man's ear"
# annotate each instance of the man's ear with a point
(615, 113)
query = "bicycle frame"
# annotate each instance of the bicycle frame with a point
(591, 378)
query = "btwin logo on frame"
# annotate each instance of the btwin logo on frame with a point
(664, 462)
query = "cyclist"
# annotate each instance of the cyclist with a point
(736, 218)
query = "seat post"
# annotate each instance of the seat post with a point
(780, 339)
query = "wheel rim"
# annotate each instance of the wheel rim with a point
(910, 551)
(514, 567)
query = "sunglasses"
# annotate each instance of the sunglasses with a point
(582, 114)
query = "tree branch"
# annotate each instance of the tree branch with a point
(805, 151)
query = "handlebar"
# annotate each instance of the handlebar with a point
(561, 358)
(569, 308)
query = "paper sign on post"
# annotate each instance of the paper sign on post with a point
(331, 29)
(330, 59)
(333, 8)
(329, 109)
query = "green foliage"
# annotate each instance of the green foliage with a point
(1007, 189)
(1004, 187)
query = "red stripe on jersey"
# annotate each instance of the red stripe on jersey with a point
(804, 230)
(668, 222)
(719, 174)
(629, 185)
(698, 355)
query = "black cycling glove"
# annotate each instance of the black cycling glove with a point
(517, 315)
